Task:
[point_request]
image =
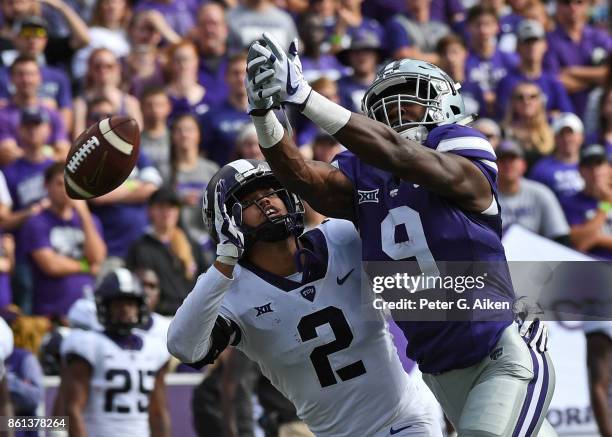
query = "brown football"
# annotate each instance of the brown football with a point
(102, 157)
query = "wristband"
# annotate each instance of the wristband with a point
(131, 184)
(229, 260)
(604, 206)
(269, 130)
(326, 114)
(335, 39)
(85, 268)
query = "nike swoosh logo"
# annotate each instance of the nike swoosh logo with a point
(395, 431)
(291, 90)
(93, 181)
(341, 281)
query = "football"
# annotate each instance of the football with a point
(102, 157)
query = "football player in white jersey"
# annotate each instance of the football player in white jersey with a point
(294, 306)
(114, 380)
(6, 349)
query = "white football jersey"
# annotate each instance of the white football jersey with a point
(6, 345)
(157, 327)
(121, 382)
(313, 342)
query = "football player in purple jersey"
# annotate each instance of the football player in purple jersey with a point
(419, 185)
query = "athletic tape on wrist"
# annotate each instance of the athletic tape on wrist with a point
(269, 130)
(230, 261)
(326, 114)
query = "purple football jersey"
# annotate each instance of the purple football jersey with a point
(405, 221)
(55, 295)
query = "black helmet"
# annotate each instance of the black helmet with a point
(241, 178)
(120, 284)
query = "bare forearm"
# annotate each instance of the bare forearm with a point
(129, 192)
(60, 265)
(585, 236)
(301, 177)
(76, 423)
(592, 75)
(160, 424)
(601, 409)
(94, 247)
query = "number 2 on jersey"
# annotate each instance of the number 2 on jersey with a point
(307, 327)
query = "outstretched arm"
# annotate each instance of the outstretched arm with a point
(324, 187)
(446, 174)
(274, 74)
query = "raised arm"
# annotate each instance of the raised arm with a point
(324, 187)
(446, 174)
(275, 76)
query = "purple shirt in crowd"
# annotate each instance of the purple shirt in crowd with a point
(553, 90)
(179, 14)
(55, 85)
(55, 295)
(564, 179)
(10, 118)
(25, 181)
(211, 76)
(180, 105)
(326, 65)
(592, 49)
(124, 223)
(580, 208)
(351, 92)
(488, 72)
(219, 131)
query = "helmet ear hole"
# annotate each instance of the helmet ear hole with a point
(456, 110)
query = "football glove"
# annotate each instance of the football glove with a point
(231, 239)
(531, 328)
(276, 73)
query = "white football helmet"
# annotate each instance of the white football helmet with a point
(418, 82)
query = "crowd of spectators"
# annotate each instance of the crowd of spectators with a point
(537, 72)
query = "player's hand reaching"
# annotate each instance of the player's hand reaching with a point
(231, 239)
(274, 73)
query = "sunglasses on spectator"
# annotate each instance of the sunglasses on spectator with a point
(33, 32)
(569, 2)
(489, 135)
(150, 284)
(526, 96)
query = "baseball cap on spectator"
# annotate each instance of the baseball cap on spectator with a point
(529, 30)
(34, 25)
(509, 148)
(165, 195)
(34, 115)
(592, 154)
(567, 119)
(362, 40)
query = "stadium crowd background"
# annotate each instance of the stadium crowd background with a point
(537, 73)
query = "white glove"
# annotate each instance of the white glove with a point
(535, 333)
(231, 239)
(531, 328)
(259, 103)
(275, 73)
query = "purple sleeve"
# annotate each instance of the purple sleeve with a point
(396, 36)
(38, 235)
(58, 129)
(348, 164)
(26, 387)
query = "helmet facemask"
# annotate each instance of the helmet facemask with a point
(396, 87)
